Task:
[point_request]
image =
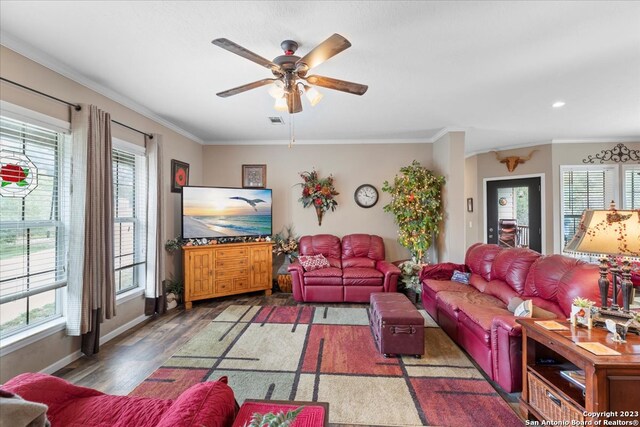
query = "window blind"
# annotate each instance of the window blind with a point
(32, 228)
(585, 188)
(129, 194)
(631, 187)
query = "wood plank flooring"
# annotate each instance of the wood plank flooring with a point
(125, 361)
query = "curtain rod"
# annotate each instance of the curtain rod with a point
(70, 104)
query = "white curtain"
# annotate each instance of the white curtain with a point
(75, 256)
(154, 290)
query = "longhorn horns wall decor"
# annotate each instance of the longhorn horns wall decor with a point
(619, 154)
(512, 162)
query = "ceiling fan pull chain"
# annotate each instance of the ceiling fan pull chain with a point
(292, 130)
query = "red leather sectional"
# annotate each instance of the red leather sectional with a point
(358, 268)
(476, 317)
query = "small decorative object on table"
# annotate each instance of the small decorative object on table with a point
(581, 312)
(270, 419)
(318, 192)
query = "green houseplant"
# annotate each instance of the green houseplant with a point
(274, 420)
(416, 202)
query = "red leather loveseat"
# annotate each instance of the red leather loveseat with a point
(209, 404)
(357, 269)
(475, 315)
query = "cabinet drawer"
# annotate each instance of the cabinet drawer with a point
(240, 283)
(224, 286)
(231, 253)
(549, 402)
(230, 274)
(232, 262)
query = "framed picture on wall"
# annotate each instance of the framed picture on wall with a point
(179, 175)
(254, 176)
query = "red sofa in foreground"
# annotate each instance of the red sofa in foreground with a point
(475, 315)
(205, 404)
(357, 268)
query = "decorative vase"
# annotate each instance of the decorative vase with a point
(320, 213)
(284, 268)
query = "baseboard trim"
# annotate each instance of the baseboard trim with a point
(111, 335)
(62, 362)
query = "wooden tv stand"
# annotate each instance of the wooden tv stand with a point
(612, 382)
(226, 269)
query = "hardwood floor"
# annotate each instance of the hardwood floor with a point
(125, 361)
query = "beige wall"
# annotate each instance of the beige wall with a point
(540, 164)
(472, 223)
(16, 67)
(351, 166)
(448, 161)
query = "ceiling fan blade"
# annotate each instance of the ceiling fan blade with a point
(244, 88)
(245, 53)
(341, 85)
(325, 50)
(293, 102)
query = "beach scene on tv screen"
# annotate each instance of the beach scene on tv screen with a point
(225, 212)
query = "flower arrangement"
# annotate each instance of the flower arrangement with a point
(582, 302)
(318, 192)
(286, 242)
(274, 420)
(410, 271)
(416, 203)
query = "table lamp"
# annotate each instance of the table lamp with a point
(610, 232)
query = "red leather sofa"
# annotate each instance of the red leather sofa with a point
(210, 404)
(475, 315)
(357, 269)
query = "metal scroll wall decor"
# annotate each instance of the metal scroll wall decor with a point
(619, 154)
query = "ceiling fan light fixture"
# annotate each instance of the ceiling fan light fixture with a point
(313, 95)
(281, 104)
(276, 90)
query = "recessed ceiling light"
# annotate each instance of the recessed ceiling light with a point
(558, 104)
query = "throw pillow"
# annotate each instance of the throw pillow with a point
(459, 276)
(313, 262)
(525, 309)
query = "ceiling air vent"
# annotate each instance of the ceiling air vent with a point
(276, 120)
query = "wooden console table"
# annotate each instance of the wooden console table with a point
(226, 269)
(612, 382)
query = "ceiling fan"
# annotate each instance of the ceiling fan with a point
(290, 72)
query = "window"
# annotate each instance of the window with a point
(631, 187)
(33, 238)
(129, 205)
(585, 187)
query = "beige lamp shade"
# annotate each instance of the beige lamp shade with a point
(607, 232)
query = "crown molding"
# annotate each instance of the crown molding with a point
(55, 65)
(508, 147)
(426, 140)
(597, 140)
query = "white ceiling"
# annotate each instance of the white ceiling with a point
(490, 68)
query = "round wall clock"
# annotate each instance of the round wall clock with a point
(366, 196)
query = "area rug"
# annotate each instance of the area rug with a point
(328, 355)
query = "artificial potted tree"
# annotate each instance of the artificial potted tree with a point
(416, 203)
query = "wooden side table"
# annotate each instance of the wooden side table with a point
(314, 414)
(611, 382)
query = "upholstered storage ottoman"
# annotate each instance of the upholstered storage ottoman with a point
(396, 324)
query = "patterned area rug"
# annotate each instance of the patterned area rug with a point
(328, 355)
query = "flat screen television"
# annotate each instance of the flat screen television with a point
(214, 212)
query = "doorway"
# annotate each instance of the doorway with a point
(514, 213)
